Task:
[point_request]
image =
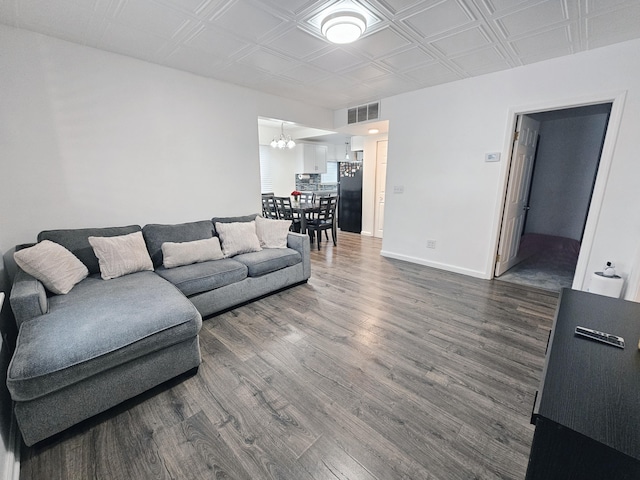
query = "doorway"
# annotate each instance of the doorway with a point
(381, 181)
(552, 177)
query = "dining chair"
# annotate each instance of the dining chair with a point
(307, 198)
(324, 218)
(286, 212)
(269, 207)
(318, 196)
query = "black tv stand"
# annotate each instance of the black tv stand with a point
(587, 411)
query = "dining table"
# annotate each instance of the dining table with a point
(303, 209)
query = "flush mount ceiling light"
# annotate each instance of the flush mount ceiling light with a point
(282, 141)
(343, 27)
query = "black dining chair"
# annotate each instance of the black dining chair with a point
(324, 218)
(286, 212)
(269, 207)
(307, 198)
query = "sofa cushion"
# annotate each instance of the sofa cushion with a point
(156, 234)
(56, 267)
(121, 255)
(176, 254)
(205, 276)
(268, 260)
(96, 326)
(77, 241)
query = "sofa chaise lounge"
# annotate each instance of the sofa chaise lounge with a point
(80, 353)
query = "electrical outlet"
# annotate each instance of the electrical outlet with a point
(398, 189)
(431, 244)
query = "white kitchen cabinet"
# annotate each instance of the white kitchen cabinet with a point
(311, 158)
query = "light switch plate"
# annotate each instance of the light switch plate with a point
(398, 189)
(492, 157)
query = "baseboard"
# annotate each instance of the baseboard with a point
(439, 266)
(12, 465)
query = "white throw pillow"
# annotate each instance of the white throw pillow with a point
(238, 237)
(175, 254)
(120, 255)
(272, 233)
(56, 267)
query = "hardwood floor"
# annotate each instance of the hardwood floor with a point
(375, 369)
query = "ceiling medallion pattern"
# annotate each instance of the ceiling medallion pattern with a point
(277, 49)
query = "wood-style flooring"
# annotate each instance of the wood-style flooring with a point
(374, 369)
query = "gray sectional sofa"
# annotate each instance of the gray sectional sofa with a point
(106, 341)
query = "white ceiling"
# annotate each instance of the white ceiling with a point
(268, 128)
(275, 46)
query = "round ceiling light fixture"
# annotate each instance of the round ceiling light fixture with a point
(343, 27)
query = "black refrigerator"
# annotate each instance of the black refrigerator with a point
(350, 191)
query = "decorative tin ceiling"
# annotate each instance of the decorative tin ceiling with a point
(275, 46)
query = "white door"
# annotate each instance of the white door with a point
(381, 180)
(515, 208)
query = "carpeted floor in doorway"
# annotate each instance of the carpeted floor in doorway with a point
(551, 268)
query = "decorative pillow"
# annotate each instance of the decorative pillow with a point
(238, 237)
(118, 256)
(185, 253)
(56, 267)
(76, 241)
(155, 234)
(242, 218)
(272, 233)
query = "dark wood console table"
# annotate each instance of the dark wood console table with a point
(587, 411)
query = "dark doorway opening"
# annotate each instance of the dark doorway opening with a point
(564, 173)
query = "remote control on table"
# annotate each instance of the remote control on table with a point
(600, 336)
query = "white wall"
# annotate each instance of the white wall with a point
(565, 168)
(283, 171)
(438, 138)
(282, 162)
(90, 139)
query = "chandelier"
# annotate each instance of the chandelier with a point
(283, 141)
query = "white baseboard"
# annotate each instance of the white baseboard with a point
(440, 266)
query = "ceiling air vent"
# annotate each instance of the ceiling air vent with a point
(363, 113)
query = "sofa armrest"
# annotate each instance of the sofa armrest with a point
(300, 243)
(28, 297)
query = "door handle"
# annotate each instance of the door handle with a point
(526, 207)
